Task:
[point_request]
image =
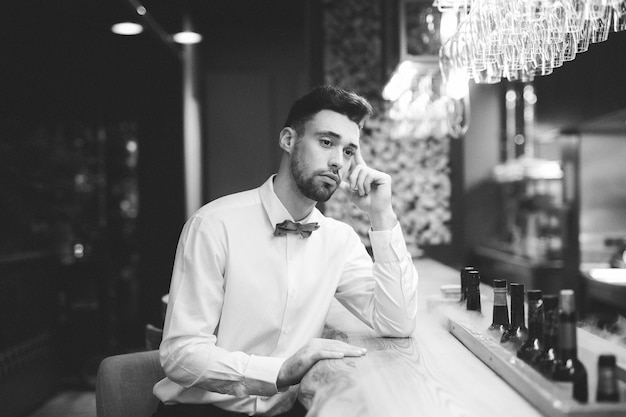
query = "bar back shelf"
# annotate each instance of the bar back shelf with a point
(552, 399)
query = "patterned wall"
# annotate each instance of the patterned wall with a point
(418, 159)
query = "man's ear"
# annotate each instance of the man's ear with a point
(287, 139)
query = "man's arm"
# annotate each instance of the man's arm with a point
(189, 354)
(384, 294)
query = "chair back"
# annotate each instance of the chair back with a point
(124, 385)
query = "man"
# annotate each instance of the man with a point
(250, 292)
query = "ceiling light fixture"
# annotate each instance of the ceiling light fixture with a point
(187, 37)
(127, 28)
(184, 37)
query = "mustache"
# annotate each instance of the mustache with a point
(331, 174)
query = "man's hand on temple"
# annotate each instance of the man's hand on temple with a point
(370, 191)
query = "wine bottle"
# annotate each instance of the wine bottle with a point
(500, 321)
(464, 272)
(567, 367)
(551, 333)
(473, 291)
(606, 390)
(517, 333)
(532, 350)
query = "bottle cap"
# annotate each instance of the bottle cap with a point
(550, 301)
(606, 360)
(533, 295)
(516, 288)
(568, 302)
(473, 277)
(464, 272)
(499, 283)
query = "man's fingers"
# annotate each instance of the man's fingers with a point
(338, 354)
(354, 176)
(337, 348)
(361, 180)
(367, 184)
(358, 158)
(328, 354)
(356, 164)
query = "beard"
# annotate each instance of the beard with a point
(312, 186)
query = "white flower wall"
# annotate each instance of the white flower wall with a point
(414, 149)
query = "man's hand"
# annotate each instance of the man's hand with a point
(370, 191)
(300, 362)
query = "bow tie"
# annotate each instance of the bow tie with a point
(303, 229)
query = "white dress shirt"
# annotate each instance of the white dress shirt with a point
(242, 300)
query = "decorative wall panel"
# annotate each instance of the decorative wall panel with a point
(418, 162)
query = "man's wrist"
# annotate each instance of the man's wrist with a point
(385, 220)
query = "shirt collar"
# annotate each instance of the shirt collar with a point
(274, 208)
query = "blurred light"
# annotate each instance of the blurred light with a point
(400, 81)
(141, 11)
(127, 28)
(187, 37)
(449, 23)
(131, 146)
(609, 275)
(529, 94)
(457, 86)
(511, 96)
(79, 250)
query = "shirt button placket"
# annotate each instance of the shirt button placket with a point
(291, 271)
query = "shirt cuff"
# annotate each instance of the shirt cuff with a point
(388, 245)
(261, 374)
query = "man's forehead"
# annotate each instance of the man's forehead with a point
(335, 122)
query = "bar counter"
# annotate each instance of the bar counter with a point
(428, 374)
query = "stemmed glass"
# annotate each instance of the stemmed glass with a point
(518, 39)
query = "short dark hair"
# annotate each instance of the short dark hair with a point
(328, 97)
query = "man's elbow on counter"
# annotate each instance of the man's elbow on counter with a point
(404, 329)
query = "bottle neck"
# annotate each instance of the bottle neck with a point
(499, 297)
(517, 311)
(473, 298)
(567, 336)
(463, 286)
(500, 309)
(473, 289)
(535, 320)
(607, 384)
(551, 328)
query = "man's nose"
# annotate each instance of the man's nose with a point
(336, 160)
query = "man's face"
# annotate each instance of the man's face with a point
(323, 153)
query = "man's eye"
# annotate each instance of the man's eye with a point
(325, 142)
(349, 153)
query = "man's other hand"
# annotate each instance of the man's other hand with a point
(296, 366)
